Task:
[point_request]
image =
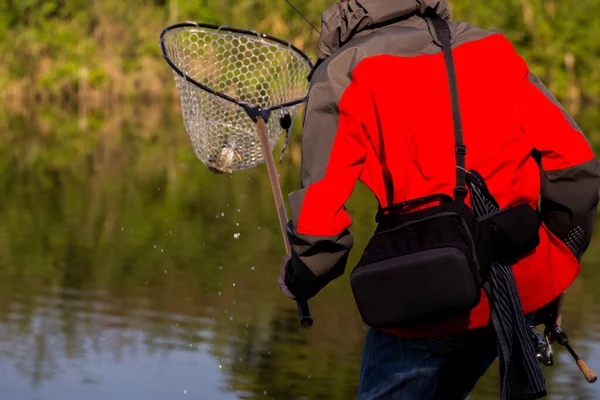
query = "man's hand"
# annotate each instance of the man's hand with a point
(550, 314)
(281, 280)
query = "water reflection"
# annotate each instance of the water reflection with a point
(129, 270)
(63, 342)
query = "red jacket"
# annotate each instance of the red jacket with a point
(379, 112)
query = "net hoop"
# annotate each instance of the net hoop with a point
(224, 28)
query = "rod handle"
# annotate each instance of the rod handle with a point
(590, 376)
(304, 312)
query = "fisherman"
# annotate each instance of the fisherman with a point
(379, 111)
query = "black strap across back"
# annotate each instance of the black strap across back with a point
(520, 374)
(443, 32)
(460, 191)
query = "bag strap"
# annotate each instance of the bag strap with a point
(439, 197)
(442, 30)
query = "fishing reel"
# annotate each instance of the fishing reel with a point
(544, 354)
(542, 346)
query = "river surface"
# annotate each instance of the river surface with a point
(128, 270)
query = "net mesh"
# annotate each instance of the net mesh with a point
(248, 68)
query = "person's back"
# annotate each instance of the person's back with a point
(379, 111)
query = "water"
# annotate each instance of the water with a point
(110, 288)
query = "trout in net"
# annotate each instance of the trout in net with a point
(224, 159)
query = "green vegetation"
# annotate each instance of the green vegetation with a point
(102, 49)
(96, 51)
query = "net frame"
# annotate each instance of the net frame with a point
(260, 116)
(195, 117)
(231, 30)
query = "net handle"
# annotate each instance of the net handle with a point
(303, 309)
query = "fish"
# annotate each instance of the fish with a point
(224, 159)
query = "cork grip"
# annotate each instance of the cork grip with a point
(590, 376)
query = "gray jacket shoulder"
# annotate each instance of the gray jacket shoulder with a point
(408, 38)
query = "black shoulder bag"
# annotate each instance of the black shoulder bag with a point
(430, 263)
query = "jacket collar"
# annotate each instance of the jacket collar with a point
(343, 20)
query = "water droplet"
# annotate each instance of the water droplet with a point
(158, 189)
(220, 366)
(238, 210)
(265, 392)
(219, 293)
(122, 228)
(154, 246)
(233, 284)
(222, 214)
(242, 196)
(190, 345)
(165, 271)
(185, 391)
(161, 250)
(309, 377)
(259, 228)
(252, 268)
(236, 235)
(237, 224)
(231, 318)
(220, 267)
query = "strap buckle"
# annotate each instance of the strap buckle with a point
(460, 149)
(460, 191)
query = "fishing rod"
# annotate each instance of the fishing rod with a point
(545, 355)
(302, 15)
(559, 336)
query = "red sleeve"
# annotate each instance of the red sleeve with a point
(320, 238)
(323, 212)
(570, 172)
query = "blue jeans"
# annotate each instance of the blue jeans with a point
(445, 367)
